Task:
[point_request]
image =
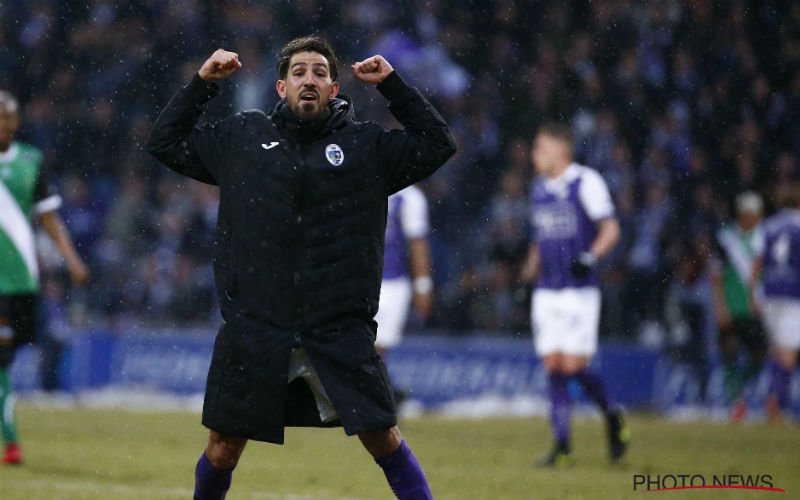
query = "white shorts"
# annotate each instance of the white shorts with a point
(566, 321)
(300, 366)
(393, 311)
(782, 322)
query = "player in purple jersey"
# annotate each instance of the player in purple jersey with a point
(778, 267)
(574, 226)
(406, 268)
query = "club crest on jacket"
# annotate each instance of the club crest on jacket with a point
(334, 154)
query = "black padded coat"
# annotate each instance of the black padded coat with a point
(299, 248)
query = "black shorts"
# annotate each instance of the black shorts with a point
(750, 331)
(247, 393)
(19, 310)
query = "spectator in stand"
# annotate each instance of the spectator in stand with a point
(692, 89)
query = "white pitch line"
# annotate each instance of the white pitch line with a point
(84, 486)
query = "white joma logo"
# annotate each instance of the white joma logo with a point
(270, 145)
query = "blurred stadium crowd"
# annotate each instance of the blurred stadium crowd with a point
(680, 105)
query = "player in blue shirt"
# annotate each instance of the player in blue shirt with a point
(779, 269)
(574, 226)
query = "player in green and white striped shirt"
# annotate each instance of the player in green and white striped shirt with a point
(24, 192)
(738, 244)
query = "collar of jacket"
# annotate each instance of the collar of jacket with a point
(340, 113)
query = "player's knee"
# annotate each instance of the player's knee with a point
(571, 365)
(224, 451)
(552, 363)
(786, 358)
(381, 443)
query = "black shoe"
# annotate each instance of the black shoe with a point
(559, 457)
(618, 436)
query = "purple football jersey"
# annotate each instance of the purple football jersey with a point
(407, 218)
(565, 212)
(781, 255)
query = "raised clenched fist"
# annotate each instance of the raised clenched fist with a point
(220, 65)
(372, 70)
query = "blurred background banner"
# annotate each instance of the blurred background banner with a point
(474, 376)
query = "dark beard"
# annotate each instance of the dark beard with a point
(305, 126)
(306, 113)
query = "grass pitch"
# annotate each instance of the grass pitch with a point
(80, 454)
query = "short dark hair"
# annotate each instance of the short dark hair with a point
(557, 130)
(310, 43)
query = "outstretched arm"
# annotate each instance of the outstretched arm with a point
(608, 233)
(721, 312)
(177, 141)
(420, 259)
(416, 152)
(55, 229)
(530, 268)
(755, 279)
(607, 237)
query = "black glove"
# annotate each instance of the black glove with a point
(583, 265)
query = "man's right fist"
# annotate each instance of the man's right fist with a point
(221, 64)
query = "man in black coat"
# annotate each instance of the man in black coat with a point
(299, 252)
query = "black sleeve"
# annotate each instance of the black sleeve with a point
(196, 151)
(719, 255)
(42, 189)
(416, 152)
(45, 196)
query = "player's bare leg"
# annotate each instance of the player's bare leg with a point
(572, 364)
(381, 443)
(402, 470)
(215, 467)
(224, 450)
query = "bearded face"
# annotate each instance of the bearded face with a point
(308, 86)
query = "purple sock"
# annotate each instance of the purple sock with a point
(559, 408)
(595, 388)
(405, 475)
(780, 379)
(210, 483)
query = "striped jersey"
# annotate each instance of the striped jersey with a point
(736, 253)
(24, 191)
